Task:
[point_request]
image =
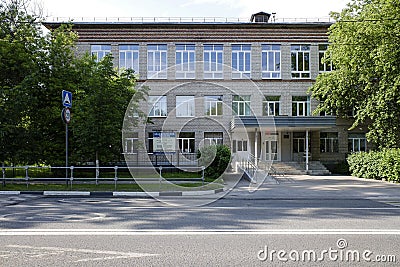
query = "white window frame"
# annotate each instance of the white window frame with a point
(158, 106)
(129, 57)
(304, 105)
(157, 61)
(185, 143)
(213, 138)
(185, 106)
(330, 143)
(242, 103)
(213, 105)
(185, 60)
(271, 61)
(268, 103)
(357, 140)
(300, 61)
(100, 51)
(131, 145)
(213, 57)
(241, 61)
(323, 67)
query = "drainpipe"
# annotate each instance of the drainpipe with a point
(307, 150)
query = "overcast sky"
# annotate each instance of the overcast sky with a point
(190, 8)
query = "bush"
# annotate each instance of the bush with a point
(215, 159)
(383, 164)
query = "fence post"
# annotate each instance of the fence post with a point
(72, 176)
(97, 172)
(4, 174)
(160, 178)
(27, 176)
(202, 175)
(115, 177)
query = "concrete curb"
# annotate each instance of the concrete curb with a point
(112, 194)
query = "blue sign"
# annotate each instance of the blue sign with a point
(66, 99)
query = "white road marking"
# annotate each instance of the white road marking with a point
(123, 232)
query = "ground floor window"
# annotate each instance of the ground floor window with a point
(299, 142)
(186, 142)
(213, 138)
(131, 144)
(239, 146)
(357, 142)
(329, 143)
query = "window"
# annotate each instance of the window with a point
(213, 60)
(151, 143)
(329, 143)
(271, 105)
(300, 58)
(213, 138)
(239, 146)
(241, 105)
(100, 51)
(158, 106)
(129, 57)
(185, 106)
(301, 106)
(185, 61)
(357, 142)
(157, 61)
(299, 142)
(186, 142)
(271, 61)
(327, 66)
(131, 144)
(241, 58)
(213, 105)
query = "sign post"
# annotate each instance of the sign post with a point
(66, 117)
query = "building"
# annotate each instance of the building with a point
(240, 83)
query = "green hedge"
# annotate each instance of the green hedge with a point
(383, 164)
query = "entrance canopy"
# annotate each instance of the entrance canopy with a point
(284, 122)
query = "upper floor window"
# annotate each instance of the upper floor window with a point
(157, 61)
(300, 59)
(213, 105)
(129, 57)
(158, 106)
(213, 60)
(357, 142)
(100, 51)
(329, 143)
(271, 105)
(184, 106)
(323, 66)
(241, 105)
(185, 61)
(301, 106)
(271, 61)
(241, 61)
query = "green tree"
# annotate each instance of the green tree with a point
(364, 50)
(215, 158)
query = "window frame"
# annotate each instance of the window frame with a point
(213, 60)
(268, 51)
(329, 142)
(360, 138)
(327, 66)
(273, 101)
(215, 138)
(241, 61)
(184, 139)
(185, 61)
(297, 104)
(300, 61)
(213, 102)
(188, 105)
(159, 102)
(243, 102)
(101, 52)
(123, 61)
(157, 61)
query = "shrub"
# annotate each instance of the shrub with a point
(215, 159)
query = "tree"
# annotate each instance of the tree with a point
(215, 158)
(364, 50)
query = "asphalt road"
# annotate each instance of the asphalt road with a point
(237, 230)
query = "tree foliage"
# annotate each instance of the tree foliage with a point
(364, 50)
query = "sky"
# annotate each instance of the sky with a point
(190, 8)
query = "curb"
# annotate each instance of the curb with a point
(111, 194)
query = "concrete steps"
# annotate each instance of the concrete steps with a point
(294, 168)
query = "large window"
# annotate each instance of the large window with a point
(271, 61)
(357, 142)
(213, 105)
(213, 60)
(158, 106)
(329, 143)
(129, 57)
(186, 142)
(271, 105)
(213, 138)
(300, 59)
(100, 51)
(157, 61)
(241, 58)
(185, 106)
(323, 66)
(185, 61)
(301, 106)
(241, 105)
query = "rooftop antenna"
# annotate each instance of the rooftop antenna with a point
(273, 16)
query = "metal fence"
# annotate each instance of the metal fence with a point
(98, 174)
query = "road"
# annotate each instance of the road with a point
(239, 229)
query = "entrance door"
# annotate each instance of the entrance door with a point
(271, 150)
